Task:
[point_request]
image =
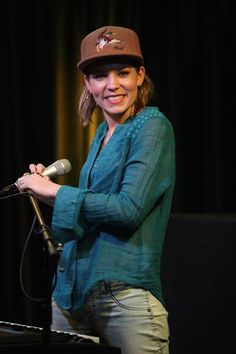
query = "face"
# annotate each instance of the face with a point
(114, 88)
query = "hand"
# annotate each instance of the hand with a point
(40, 186)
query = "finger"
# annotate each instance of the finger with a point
(19, 184)
(33, 168)
(40, 168)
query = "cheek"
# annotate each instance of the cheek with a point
(96, 90)
(93, 87)
(132, 86)
(133, 89)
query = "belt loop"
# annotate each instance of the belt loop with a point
(103, 287)
(107, 288)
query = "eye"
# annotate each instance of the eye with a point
(124, 73)
(98, 75)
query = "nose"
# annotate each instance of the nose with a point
(112, 81)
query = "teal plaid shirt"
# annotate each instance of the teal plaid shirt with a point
(113, 225)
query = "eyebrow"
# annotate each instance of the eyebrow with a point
(115, 68)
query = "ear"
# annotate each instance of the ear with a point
(141, 75)
(87, 83)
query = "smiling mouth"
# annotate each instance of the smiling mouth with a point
(114, 99)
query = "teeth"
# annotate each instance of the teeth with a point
(114, 98)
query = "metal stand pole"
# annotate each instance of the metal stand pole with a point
(51, 258)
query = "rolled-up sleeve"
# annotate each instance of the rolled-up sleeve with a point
(66, 223)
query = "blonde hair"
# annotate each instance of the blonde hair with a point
(87, 104)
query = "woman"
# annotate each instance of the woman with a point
(113, 225)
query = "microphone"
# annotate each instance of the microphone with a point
(57, 168)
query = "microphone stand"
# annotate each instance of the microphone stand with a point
(51, 257)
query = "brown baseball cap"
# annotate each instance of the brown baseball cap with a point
(108, 42)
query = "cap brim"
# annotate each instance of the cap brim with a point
(92, 62)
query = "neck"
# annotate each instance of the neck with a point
(115, 119)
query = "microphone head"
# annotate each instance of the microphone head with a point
(63, 166)
(57, 168)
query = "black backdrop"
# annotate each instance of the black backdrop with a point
(189, 50)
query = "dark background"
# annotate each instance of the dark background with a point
(189, 50)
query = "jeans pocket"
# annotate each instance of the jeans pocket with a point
(129, 298)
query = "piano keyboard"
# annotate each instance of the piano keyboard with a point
(24, 333)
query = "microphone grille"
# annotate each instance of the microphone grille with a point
(62, 166)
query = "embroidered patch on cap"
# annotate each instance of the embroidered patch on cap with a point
(108, 38)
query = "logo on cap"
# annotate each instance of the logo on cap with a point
(105, 39)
